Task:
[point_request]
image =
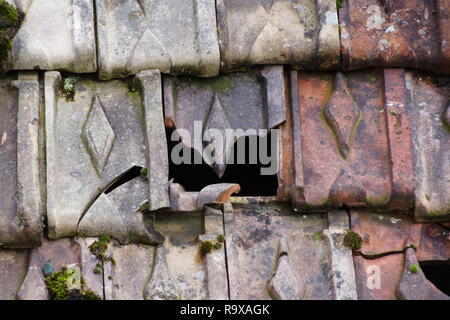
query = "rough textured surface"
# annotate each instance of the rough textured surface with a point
(92, 142)
(345, 149)
(431, 148)
(302, 33)
(235, 101)
(344, 285)
(182, 244)
(405, 33)
(172, 36)
(20, 150)
(13, 268)
(413, 284)
(126, 278)
(54, 35)
(252, 236)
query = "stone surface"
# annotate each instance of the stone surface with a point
(182, 230)
(149, 83)
(301, 33)
(346, 149)
(285, 283)
(95, 144)
(414, 285)
(216, 264)
(342, 270)
(54, 36)
(431, 148)
(21, 207)
(13, 268)
(253, 233)
(406, 33)
(385, 237)
(161, 285)
(126, 278)
(173, 37)
(235, 101)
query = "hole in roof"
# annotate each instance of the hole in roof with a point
(438, 273)
(194, 177)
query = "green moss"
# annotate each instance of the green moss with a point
(412, 245)
(88, 294)
(98, 269)
(9, 15)
(144, 172)
(99, 247)
(427, 196)
(57, 284)
(10, 20)
(68, 87)
(352, 240)
(217, 246)
(318, 236)
(413, 268)
(339, 4)
(206, 247)
(145, 208)
(221, 238)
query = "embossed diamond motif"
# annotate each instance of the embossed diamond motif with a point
(98, 135)
(343, 114)
(217, 120)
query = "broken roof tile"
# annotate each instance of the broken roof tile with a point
(169, 35)
(301, 33)
(405, 33)
(95, 144)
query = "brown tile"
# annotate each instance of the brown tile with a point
(347, 149)
(404, 33)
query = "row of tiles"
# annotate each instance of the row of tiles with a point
(200, 37)
(374, 138)
(268, 252)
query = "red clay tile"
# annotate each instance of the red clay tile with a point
(348, 150)
(401, 33)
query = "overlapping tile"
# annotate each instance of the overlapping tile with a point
(430, 132)
(95, 142)
(172, 36)
(351, 141)
(21, 201)
(385, 238)
(54, 36)
(254, 233)
(407, 33)
(301, 33)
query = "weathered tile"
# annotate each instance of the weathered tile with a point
(105, 135)
(244, 101)
(406, 33)
(253, 234)
(54, 35)
(126, 277)
(351, 141)
(51, 256)
(13, 268)
(342, 269)
(413, 283)
(385, 238)
(301, 33)
(172, 36)
(383, 233)
(430, 131)
(182, 231)
(21, 207)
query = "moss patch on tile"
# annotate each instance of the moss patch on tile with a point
(10, 21)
